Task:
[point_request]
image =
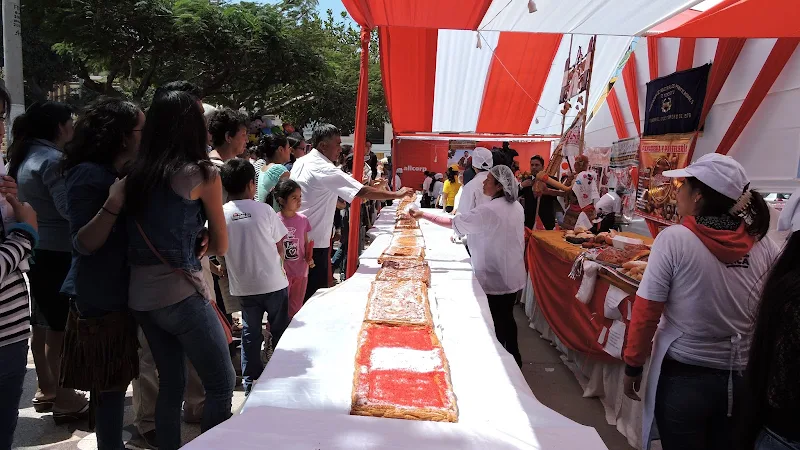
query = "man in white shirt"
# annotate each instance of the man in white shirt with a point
(322, 184)
(471, 194)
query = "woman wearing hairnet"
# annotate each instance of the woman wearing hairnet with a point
(497, 242)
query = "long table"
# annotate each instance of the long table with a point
(302, 400)
(577, 329)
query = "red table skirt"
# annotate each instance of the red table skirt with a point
(578, 326)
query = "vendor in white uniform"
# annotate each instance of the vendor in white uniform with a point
(698, 298)
(497, 243)
(471, 194)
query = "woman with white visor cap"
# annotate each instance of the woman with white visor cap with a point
(497, 242)
(772, 409)
(698, 298)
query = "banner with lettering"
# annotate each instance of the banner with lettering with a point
(625, 153)
(576, 77)
(656, 197)
(674, 102)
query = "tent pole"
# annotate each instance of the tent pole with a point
(360, 136)
(592, 46)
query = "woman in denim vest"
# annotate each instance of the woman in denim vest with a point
(170, 193)
(100, 351)
(35, 162)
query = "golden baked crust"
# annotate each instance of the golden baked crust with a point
(408, 241)
(396, 269)
(417, 253)
(409, 223)
(402, 302)
(363, 401)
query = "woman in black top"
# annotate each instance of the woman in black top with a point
(772, 419)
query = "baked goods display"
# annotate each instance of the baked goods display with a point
(398, 302)
(589, 240)
(633, 270)
(402, 373)
(401, 370)
(397, 269)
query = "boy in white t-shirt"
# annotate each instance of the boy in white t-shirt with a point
(255, 264)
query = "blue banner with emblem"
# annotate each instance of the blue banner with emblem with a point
(674, 102)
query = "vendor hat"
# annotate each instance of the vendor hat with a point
(482, 158)
(719, 172)
(399, 170)
(438, 176)
(790, 215)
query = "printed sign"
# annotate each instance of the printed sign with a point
(656, 199)
(625, 153)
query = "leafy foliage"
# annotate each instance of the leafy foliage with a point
(280, 59)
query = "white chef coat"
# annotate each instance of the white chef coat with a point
(397, 183)
(497, 244)
(322, 183)
(611, 202)
(472, 194)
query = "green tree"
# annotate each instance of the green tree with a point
(281, 59)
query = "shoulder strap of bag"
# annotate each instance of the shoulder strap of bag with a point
(226, 327)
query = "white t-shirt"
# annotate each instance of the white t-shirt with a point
(706, 299)
(472, 194)
(497, 244)
(438, 186)
(397, 183)
(254, 265)
(426, 185)
(322, 183)
(609, 203)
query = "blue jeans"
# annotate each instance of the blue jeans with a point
(692, 407)
(276, 305)
(191, 328)
(768, 440)
(13, 359)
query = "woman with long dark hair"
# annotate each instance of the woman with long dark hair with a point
(450, 189)
(772, 411)
(276, 150)
(100, 351)
(35, 162)
(695, 305)
(172, 189)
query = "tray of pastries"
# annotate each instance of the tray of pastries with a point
(402, 373)
(397, 269)
(398, 302)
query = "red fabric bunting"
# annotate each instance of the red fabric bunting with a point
(441, 14)
(632, 90)
(616, 114)
(652, 56)
(408, 64)
(519, 70)
(777, 59)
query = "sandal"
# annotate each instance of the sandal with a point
(71, 416)
(43, 405)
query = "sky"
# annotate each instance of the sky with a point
(324, 5)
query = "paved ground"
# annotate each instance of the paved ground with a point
(551, 382)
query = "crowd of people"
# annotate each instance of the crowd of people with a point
(145, 233)
(142, 233)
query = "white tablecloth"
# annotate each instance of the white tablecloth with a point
(302, 400)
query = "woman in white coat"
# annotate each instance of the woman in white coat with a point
(696, 305)
(497, 244)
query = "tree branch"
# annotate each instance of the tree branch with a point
(146, 81)
(83, 72)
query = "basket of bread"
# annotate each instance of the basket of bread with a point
(586, 239)
(633, 270)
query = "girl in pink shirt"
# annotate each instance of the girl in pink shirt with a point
(297, 245)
